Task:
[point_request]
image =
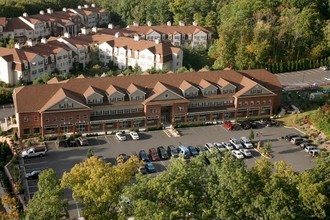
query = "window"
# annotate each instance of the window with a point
(127, 111)
(133, 110)
(120, 111)
(258, 102)
(78, 117)
(36, 118)
(46, 119)
(269, 101)
(239, 103)
(85, 117)
(36, 130)
(26, 131)
(252, 103)
(180, 108)
(62, 118)
(70, 118)
(153, 110)
(246, 103)
(26, 119)
(54, 119)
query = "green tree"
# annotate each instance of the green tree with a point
(97, 185)
(251, 135)
(47, 202)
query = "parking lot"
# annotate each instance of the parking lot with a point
(63, 159)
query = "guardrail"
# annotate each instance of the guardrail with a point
(8, 106)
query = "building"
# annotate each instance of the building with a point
(49, 23)
(123, 102)
(181, 35)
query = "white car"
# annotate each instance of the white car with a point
(327, 78)
(220, 147)
(245, 152)
(209, 146)
(237, 154)
(228, 145)
(246, 142)
(237, 144)
(134, 135)
(121, 136)
(309, 148)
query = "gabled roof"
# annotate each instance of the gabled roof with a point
(204, 84)
(53, 80)
(158, 89)
(60, 95)
(263, 77)
(113, 89)
(3, 21)
(75, 88)
(133, 88)
(222, 83)
(91, 90)
(186, 85)
(164, 29)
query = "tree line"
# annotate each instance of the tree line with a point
(213, 188)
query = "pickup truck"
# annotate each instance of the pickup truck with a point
(38, 151)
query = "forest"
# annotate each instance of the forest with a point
(283, 35)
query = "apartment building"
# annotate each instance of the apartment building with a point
(61, 53)
(49, 23)
(181, 35)
(123, 102)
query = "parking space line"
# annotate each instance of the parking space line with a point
(106, 138)
(163, 164)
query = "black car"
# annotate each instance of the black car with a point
(33, 175)
(122, 158)
(290, 136)
(172, 151)
(201, 149)
(71, 142)
(270, 122)
(193, 151)
(254, 124)
(143, 156)
(246, 125)
(162, 153)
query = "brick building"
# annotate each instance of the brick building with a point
(123, 102)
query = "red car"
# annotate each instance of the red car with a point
(228, 125)
(153, 154)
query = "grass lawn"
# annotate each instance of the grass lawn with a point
(290, 119)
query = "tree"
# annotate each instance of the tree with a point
(97, 185)
(47, 202)
(90, 153)
(251, 135)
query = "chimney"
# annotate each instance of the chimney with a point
(93, 5)
(135, 24)
(18, 46)
(110, 26)
(169, 23)
(181, 23)
(136, 37)
(94, 29)
(50, 11)
(79, 7)
(157, 41)
(44, 40)
(42, 12)
(25, 14)
(149, 23)
(63, 9)
(30, 43)
(86, 6)
(67, 35)
(84, 30)
(117, 34)
(195, 23)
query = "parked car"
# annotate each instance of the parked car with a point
(153, 154)
(209, 146)
(220, 147)
(162, 153)
(237, 144)
(314, 152)
(306, 144)
(228, 145)
(83, 141)
(172, 151)
(245, 152)
(201, 149)
(288, 137)
(142, 170)
(302, 140)
(237, 154)
(298, 140)
(134, 135)
(254, 124)
(184, 151)
(246, 125)
(228, 125)
(122, 158)
(143, 156)
(33, 175)
(71, 142)
(246, 142)
(270, 122)
(150, 167)
(309, 148)
(193, 151)
(121, 136)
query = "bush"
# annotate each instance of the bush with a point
(154, 128)
(192, 124)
